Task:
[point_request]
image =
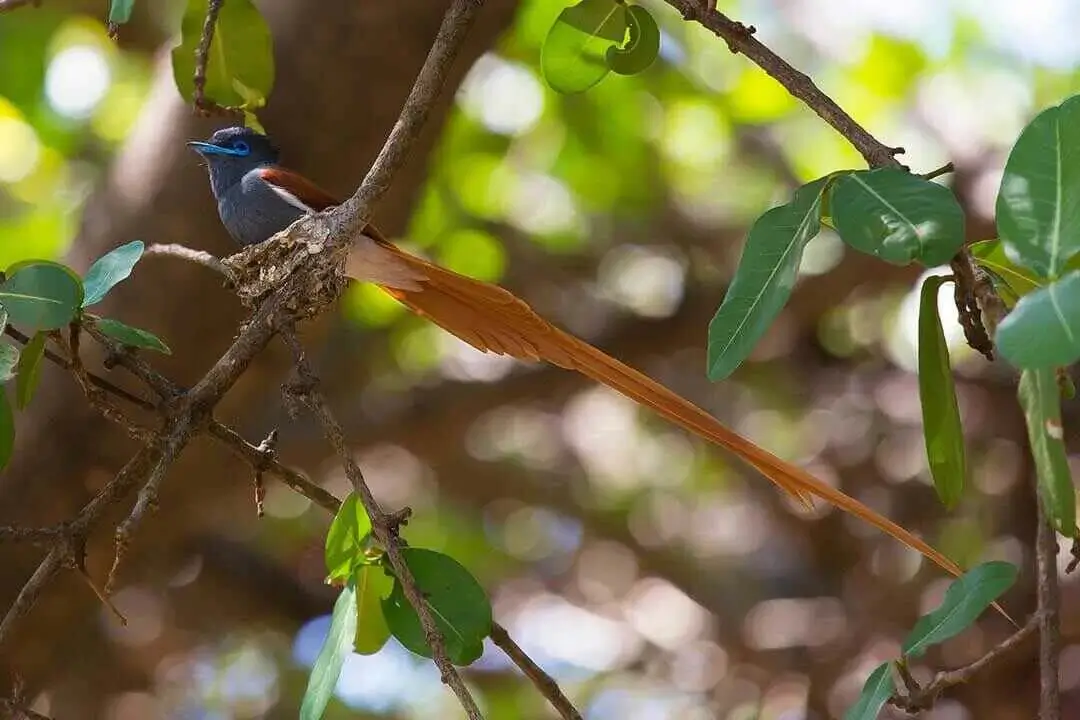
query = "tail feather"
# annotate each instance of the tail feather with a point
(492, 319)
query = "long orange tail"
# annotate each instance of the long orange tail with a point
(492, 319)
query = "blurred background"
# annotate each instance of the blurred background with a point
(651, 575)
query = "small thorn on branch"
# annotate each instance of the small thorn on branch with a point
(267, 450)
(943, 170)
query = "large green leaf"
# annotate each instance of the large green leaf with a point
(967, 597)
(344, 540)
(110, 269)
(876, 691)
(41, 295)
(897, 216)
(941, 416)
(29, 369)
(574, 55)
(7, 430)
(373, 586)
(240, 69)
(131, 336)
(1043, 330)
(763, 281)
(991, 255)
(460, 607)
(1038, 212)
(336, 647)
(1041, 400)
(642, 45)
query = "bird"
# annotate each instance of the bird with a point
(257, 198)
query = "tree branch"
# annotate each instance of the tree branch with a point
(543, 682)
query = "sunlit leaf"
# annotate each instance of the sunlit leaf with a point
(460, 607)
(897, 216)
(1043, 330)
(967, 597)
(1038, 217)
(344, 540)
(1041, 401)
(131, 336)
(764, 278)
(876, 691)
(241, 55)
(991, 255)
(642, 45)
(332, 654)
(41, 295)
(574, 55)
(28, 370)
(941, 415)
(109, 270)
(373, 586)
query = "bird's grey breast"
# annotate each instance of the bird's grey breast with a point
(252, 212)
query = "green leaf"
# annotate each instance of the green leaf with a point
(641, 48)
(373, 587)
(344, 540)
(763, 281)
(1038, 217)
(991, 255)
(336, 647)
(1040, 399)
(7, 430)
(241, 52)
(41, 295)
(574, 55)
(876, 691)
(29, 369)
(459, 605)
(897, 216)
(1043, 330)
(9, 360)
(120, 11)
(109, 270)
(941, 416)
(132, 336)
(967, 597)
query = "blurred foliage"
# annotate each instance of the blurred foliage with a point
(524, 176)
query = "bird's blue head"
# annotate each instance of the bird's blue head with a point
(232, 152)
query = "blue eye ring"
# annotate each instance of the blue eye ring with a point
(241, 147)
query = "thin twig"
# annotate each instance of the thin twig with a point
(352, 216)
(740, 39)
(383, 526)
(1049, 598)
(199, 257)
(943, 170)
(543, 682)
(33, 536)
(918, 698)
(294, 479)
(202, 56)
(95, 380)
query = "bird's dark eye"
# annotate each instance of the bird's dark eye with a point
(241, 147)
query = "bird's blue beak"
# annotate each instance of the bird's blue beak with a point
(205, 148)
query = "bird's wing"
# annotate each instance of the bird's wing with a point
(492, 319)
(296, 190)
